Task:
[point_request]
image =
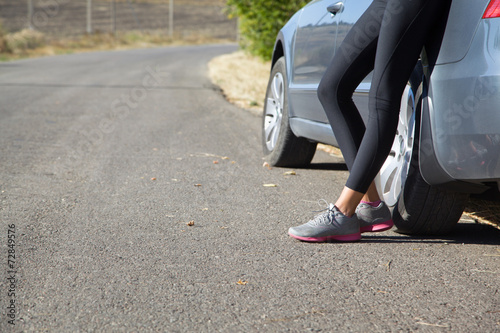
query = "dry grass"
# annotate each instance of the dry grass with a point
(23, 40)
(31, 43)
(484, 212)
(243, 79)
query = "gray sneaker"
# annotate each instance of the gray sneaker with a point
(328, 225)
(373, 219)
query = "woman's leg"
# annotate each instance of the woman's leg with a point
(353, 61)
(392, 45)
(403, 33)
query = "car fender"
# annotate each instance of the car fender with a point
(285, 43)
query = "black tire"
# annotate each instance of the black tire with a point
(423, 209)
(285, 150)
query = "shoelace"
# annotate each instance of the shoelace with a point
(324, 203)
(325, 212)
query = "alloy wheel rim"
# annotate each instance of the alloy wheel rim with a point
(274, 111)
(393, 174)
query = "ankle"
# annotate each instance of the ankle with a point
(372, 203)
(345, 210)
(348, 201)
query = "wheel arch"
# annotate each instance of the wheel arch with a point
(278, 52)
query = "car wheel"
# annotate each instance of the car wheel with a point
(281, 147)
(418, 208)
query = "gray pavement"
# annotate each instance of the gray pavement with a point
(106, 158)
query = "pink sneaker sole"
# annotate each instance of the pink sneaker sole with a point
(378, 227)
(343, 238)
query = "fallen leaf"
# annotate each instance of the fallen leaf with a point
(435, 325)
(225, 158)
(240, 282)
(388, 265)
(480, 271)
(290, 173)
(270, 185)
(190, 223)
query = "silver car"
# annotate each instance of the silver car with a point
(447, 145)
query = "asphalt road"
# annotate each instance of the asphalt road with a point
(106, 158)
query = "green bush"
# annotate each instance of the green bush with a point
(260, 22)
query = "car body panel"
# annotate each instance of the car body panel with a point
(463, 111)
(314, 48)
(462, 22)
(319, 34)
(314, 43)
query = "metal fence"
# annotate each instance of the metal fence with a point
(177, 18)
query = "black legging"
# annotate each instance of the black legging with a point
(387, 39)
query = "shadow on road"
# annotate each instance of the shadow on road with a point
(463, 233)
(326, 166)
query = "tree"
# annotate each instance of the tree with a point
(260, 22)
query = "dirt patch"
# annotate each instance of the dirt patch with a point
(243, 80)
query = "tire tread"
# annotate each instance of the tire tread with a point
(423, 209)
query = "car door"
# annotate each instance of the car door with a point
(313, 50)
(320, 32)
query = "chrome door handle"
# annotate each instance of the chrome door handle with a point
(335, 8)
